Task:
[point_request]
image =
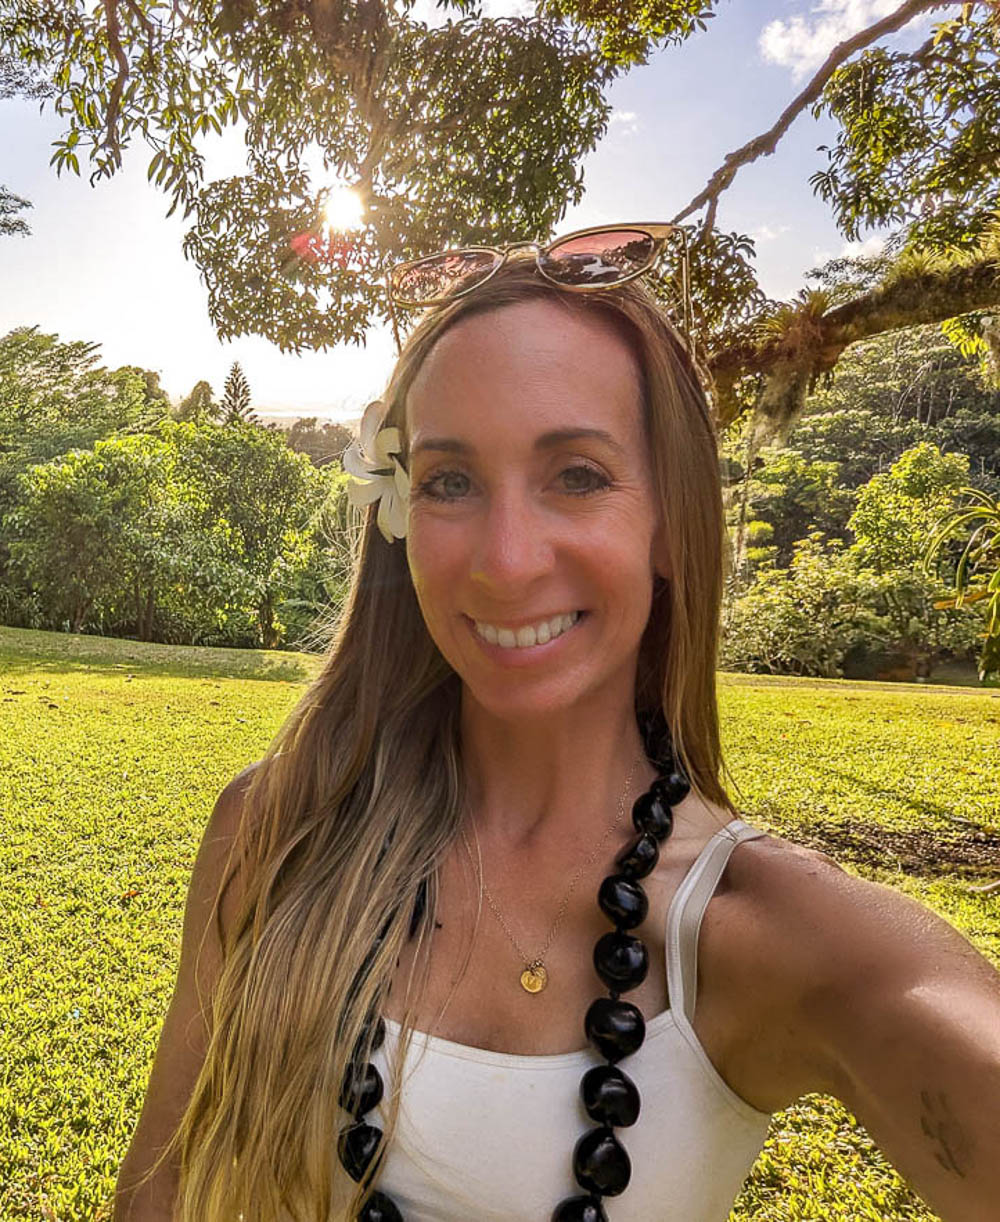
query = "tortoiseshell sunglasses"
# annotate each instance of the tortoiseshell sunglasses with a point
(585, 261)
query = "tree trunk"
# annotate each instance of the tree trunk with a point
(146, 621)
(265, 613)
(80, 614)
(137, 603)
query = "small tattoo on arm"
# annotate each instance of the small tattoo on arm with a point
(939, 1124)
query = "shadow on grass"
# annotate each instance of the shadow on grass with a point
(920, 852)
(27, 651)
(968, 685)
(965, 848)
(920, 806)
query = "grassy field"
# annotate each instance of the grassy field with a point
(112, 752)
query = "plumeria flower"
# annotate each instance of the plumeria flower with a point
(377, 474)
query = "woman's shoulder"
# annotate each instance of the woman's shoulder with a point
(788, 902)
(820, 946)
(774, 946)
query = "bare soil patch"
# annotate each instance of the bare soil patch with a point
(922, 853)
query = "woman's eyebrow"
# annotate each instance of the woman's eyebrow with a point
(559, 436)
(446, 445)
(554, 437)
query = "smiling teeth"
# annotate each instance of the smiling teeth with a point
(524, 638)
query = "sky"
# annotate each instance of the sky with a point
(105, 264)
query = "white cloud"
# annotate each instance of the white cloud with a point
(867, 248)
(626, 121)
(802, 43)
(768, 233)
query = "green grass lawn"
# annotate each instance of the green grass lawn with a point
(112, 753)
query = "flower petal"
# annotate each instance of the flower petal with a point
(362, 492)
(401, 479)
(370, 421)
(386, 443)
(397, 515)
(355, 463)
(384, 519)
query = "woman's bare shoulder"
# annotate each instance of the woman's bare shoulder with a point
(889, 1007)
(779, 917)
(799, 906)
(828, 945)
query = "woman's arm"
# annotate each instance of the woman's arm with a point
(903, 1017)
(184, 1036)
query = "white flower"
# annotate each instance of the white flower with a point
(377, 474)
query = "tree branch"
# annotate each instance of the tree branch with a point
(791, 363)
(144, 21)
(113, 29)
(765, 144)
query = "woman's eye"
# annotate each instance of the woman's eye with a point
(582, 479)
(445, 486)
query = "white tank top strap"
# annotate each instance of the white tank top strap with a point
(687, 909)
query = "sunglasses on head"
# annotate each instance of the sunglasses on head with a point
(585, 261)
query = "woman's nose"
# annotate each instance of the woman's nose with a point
(513, 546)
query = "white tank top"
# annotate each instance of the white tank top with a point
(490, 1135)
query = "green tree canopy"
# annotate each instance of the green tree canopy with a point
(324, 443)
(235, 405)
(108, 532)
(896, 511)
(445, 145)
(268, 495)
(16, 79)
(795, 495)
(199, 406)
(889, 393)
(56, 396)
(10, 207)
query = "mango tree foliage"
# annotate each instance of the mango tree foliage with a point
(433, 126)
(11, 206)
(919, 136)
(15, 81)
(626, 33)
(476, 128)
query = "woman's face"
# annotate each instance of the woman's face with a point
(533, 533)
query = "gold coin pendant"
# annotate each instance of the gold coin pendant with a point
(534, 978)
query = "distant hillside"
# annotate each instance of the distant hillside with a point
(285, 420)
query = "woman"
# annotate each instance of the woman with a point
(403, 891)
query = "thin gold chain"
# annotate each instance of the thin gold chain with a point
(539, 959)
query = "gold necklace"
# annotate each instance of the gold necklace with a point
(535, 975)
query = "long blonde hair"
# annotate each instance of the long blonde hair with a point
(359, 797)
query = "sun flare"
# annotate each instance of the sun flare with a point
(343, 208)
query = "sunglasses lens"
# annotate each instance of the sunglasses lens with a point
(598, 258)
(441, 275)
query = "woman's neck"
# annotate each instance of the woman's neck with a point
(555, 780)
